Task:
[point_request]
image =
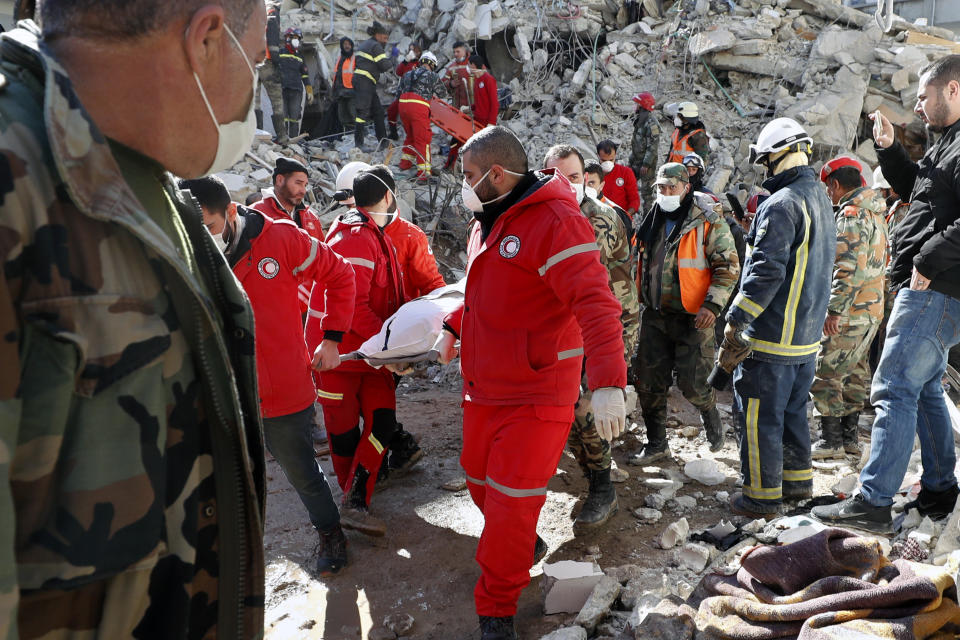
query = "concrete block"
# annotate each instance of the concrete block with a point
(567, 585)
(710, 41)
(598, 604)
(567, 633)
(674, 534)
(694, 556)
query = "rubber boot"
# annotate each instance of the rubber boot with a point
(278, 126)
(849, 425)
(497, 628)
(394, 134)
(656, 447)
(259, 115)
(830, 444)
(713, 427)
(359, 133)
(601, 502)
(355, 514)
(293, 129)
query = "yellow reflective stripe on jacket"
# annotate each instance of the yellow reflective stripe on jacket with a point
(796, 282)
(367, 56)
(290, 55)
(365, 74)
(414, 101)
(747, 305)
(787, 350)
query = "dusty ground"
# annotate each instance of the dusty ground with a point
(424, 567)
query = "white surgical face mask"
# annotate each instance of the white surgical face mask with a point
(590, 192)
(607, 166)
(396, 201)
(219, 241)
(470, 198)
(677, 120)
(233, 138)
(295, 42)
(668, 203)
(578, 190)
(411, 56)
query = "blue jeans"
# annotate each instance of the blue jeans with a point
(907, 394)
(289, 440)
(770, 405)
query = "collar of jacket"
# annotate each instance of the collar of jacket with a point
(493, 211)
(269, 193)
(849, 197)
(82, 154)
(786, 178)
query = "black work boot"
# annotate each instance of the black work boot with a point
(359, 133)
(601, 502)
(332, 552)
(404, 452)
(830, 444)
(855, 512)
(394, 134)
(713, 427)
(497, 628)
(355, 514)
(652, 452)
(540, 549)
(936, 504)
(848, 430)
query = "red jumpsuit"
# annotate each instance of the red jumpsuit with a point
(355, 389)
(417, 264)
(535, 285)
(415, 116)
(303, 217)
(393, 111)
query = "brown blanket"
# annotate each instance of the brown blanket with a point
(829, 586)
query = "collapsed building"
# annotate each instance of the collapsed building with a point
(567, 72)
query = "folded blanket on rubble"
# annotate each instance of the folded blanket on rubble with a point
(831, 585)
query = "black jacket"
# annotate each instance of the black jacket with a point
(371, 62)
(929, 235)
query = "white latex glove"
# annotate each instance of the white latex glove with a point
(446, 347)
(609, 412)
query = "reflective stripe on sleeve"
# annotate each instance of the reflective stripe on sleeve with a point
(314, 247)
(362, 262)
(568, 253)
(569, 353)
(747, 305)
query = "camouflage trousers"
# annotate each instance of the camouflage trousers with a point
(269, 78)
(645, 185)
(841, 384)
(670, 344)
(590, 450)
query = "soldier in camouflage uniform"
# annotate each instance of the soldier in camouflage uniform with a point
(842, 381)
(269, 76)
(130, 443)
(591, 451)
(688, 270)
(645, 149)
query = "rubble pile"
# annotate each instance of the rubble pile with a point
(572, 68)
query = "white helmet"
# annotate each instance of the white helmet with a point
(345, 179)
(879, 182)
(429, 57)
(778, 135)
(688, 110)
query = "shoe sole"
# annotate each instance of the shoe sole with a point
(638, 463)
(409, 464)
(580, 525)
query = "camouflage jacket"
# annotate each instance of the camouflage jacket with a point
(660, 276)
(858, 286)
(129, 439)
(615, 256)
(646, 142)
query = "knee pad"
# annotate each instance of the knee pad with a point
(344, 444)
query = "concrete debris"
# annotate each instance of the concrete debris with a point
(399, 623)
(705, 471)
(567, 633)
(694, 556)
(598, 604)
(647, 516)
(568, 584)
(675, 533)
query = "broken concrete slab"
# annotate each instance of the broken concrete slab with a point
(567, 585)
(784, 68)
(710, 41)
(567, 633)
(598, 604)
(675, 533)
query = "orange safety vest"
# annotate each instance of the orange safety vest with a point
(346, 71)
(695, 274)
(679, 147)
